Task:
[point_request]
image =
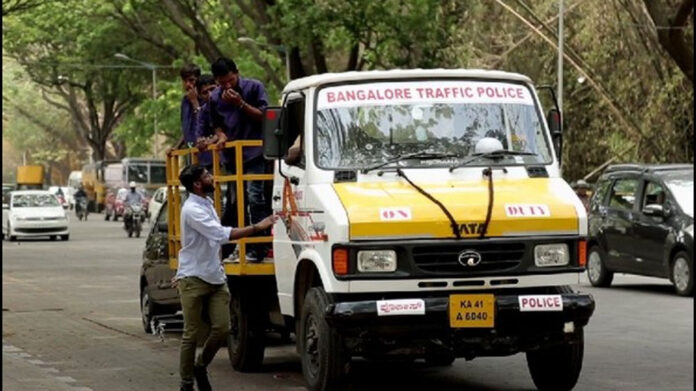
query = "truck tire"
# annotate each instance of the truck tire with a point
(597, 272)
(557, 368)
(246, 341)
(148, 309)
(324, 359)
(682, 274)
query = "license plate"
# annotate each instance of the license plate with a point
(473, 311)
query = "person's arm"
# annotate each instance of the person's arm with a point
(257, 104)
(254, 228)
(209, 227)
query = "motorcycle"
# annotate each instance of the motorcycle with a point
(133, 220)
(81, 208)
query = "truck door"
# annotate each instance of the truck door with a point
(289, 194)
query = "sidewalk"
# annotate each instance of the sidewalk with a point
(20, 373)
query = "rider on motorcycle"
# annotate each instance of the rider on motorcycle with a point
(79, 194)
(132, 198)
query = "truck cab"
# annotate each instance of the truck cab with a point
(422, 216)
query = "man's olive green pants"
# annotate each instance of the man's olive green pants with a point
(197, 297)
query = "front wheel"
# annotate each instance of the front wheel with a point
(557, 368)
(597, 272)
(682, 274)
(246, 341)
(324, 360)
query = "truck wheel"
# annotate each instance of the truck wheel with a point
(246, 340)
(324, 360)
(597, 272)
(557, 368)
(682, 274)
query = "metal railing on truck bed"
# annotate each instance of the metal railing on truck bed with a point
(238, 266)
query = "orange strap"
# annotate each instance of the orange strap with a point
(288, 198)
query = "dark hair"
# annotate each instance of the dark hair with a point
(223, 66)
(189, 70)
(190, 174)
(205, 80)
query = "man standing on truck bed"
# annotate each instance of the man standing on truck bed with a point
(201, 277)
(190, 106)
(236, 112)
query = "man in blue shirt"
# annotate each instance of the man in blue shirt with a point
(205, 135)
(236, 112)
(190, 106)
(200, 276)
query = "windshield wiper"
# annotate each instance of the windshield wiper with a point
(425, 155)
(491, 155)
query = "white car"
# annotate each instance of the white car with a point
(32, 213)
(158, 199)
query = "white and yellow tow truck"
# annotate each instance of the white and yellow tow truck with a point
(425, 218)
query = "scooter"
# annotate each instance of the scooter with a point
(133, 220)
(81, 208)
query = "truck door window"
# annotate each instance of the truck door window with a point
(623, 194)
(295, 110)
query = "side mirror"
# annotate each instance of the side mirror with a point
(274, 144)
(555, 121)
(654, 210)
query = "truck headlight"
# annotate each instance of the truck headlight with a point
(551, 255)
(377, 261)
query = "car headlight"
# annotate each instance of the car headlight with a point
(551, 255)
(377, 261)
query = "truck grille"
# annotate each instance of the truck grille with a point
(445, 259)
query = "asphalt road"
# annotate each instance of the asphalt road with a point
(71, 321)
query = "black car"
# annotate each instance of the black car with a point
(641, 221)
(157, 295)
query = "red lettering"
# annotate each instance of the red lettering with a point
(429, 93)
(389, 94)
(439, 93)
(331, 97)
(520, 93)
(525, 301)
(480, 91)
(371, 95)
(403, 213)
(350, 95)
(399, 94)
(407, 94)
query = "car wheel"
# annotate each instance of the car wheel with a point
(147, 310)
(557, 368)
(597, 272)
(10, 237)
(65, 237)
(323, 356)
(682, 274)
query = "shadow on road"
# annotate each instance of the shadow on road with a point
(647, 288)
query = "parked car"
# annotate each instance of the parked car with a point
(32, 213)
(157, 295)
(641, 221)
(114, 204)
(158, 199)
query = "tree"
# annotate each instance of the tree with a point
(60, 46)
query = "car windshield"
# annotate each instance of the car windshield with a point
(682, 188)
(34, 200)
(363, 125)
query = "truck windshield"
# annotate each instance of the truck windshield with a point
(363, 125)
